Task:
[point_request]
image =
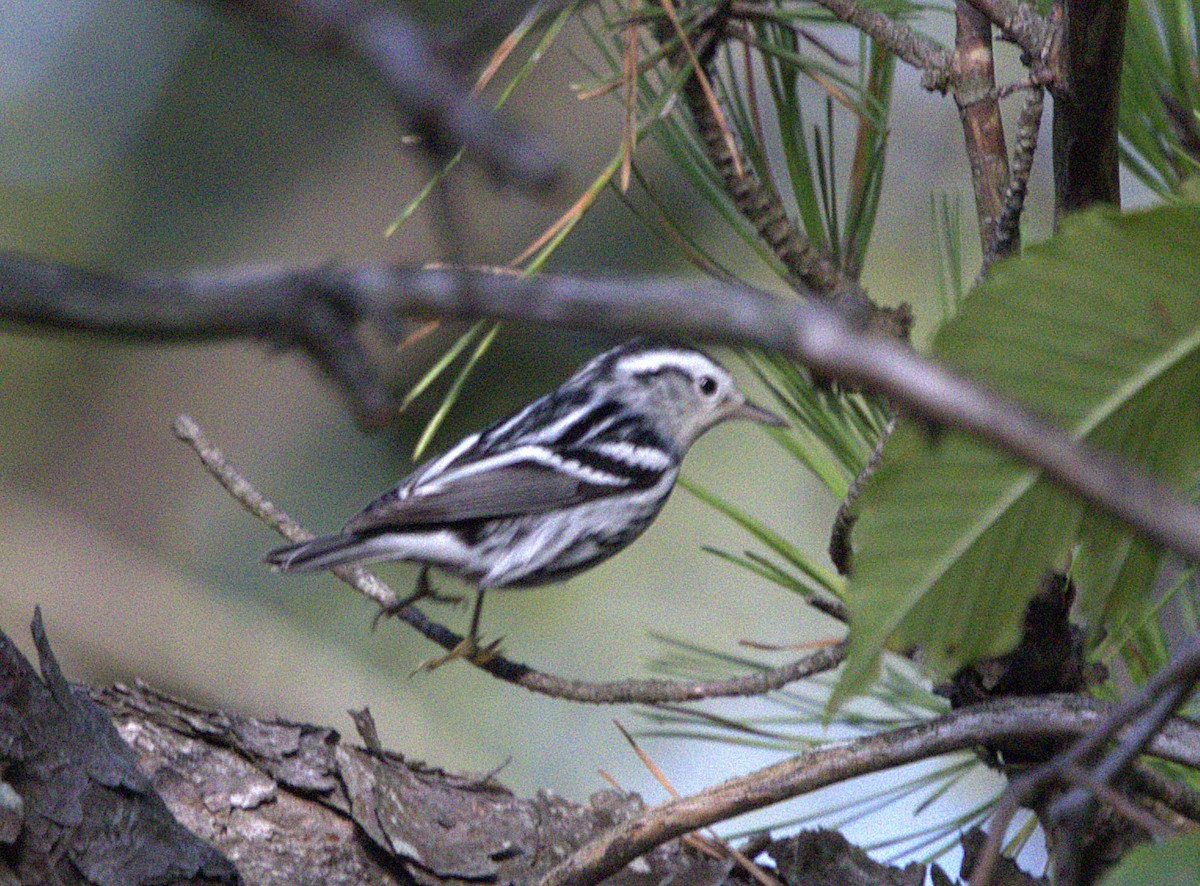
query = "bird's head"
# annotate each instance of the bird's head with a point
(682, 391)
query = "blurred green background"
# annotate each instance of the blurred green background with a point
(142, 136)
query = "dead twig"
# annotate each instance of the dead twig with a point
(614, 692)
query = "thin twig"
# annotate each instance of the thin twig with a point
(243, 492)
(431, 94)
(1120, 803)
(1041, 717)
(614, 692)
(841, 549)
(1008, 225)
(1071, 814)
(933, 60)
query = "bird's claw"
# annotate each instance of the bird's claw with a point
(424, 590)
(468, 649)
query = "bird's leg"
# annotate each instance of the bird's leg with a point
(424, 590)
(469, 647)
(473, 633)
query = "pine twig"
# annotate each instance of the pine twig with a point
(757, 199)
(1008, 225)
(979, 111)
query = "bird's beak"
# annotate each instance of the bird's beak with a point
(754, 412)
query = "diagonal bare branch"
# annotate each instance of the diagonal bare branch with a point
(1054, 716)
(431, 94)
(263, 302)
(933, 60)
(1134, 725)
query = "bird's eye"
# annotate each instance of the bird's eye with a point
(706, 385)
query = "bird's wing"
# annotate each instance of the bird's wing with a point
(524, 480)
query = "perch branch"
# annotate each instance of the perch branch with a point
(616, 692)
(1042, 717)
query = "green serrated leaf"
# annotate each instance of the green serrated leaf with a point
(1099, 329)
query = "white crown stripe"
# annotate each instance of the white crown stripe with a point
(690, 363)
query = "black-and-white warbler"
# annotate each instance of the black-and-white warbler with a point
(564, 483)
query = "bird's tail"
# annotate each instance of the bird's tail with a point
(320, 553)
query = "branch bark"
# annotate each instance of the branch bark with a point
(1086, 96)
(290, 800)
(1008, 225)
(983, 130)
(1021, 23)
(266, 302)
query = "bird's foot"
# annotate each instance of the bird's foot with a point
(468, 649)
(424, 590)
